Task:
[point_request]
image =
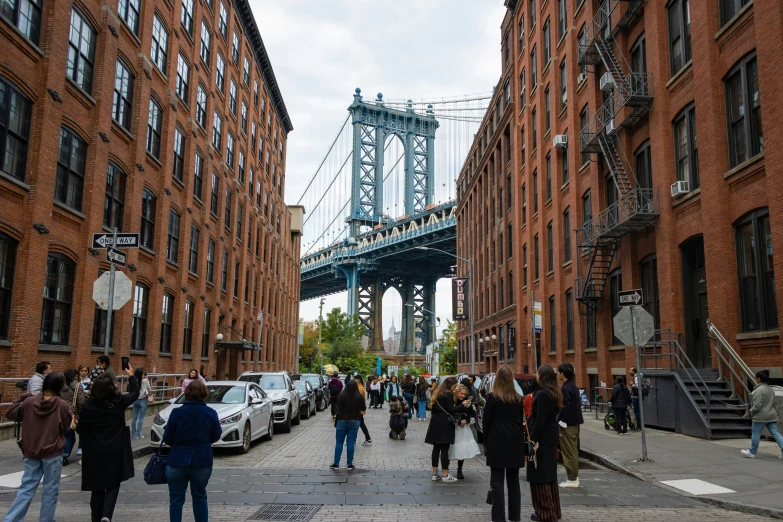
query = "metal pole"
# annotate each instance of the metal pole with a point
(533, 325)
(472, 335)
(109, 311)
(260, 333)
(639, 385)
(320, 320)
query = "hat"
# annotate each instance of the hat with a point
(335, 374)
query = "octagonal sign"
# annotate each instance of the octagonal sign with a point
(123, 290)
(623, 325)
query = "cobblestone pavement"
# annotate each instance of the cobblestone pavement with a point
(391, 483)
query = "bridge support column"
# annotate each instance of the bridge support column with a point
(408, 326)
(351, 274)
(376, 339)
(370, 312)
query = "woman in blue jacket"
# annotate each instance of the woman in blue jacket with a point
(190, 431)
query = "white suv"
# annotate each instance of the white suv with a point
(285, 397)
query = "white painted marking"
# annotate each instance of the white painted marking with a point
(697, 487)
(14, 480)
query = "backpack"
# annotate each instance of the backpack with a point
(334, 387)
(645, 387)
(397, 423)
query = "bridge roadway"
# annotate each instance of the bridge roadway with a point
(391, 483)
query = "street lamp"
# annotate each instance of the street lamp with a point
(470, 278)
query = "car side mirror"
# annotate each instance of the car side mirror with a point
(256, 400)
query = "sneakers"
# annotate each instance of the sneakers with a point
(65, 461)
(570, 483)
(351, 467)
(79, 451)
(460, 476)
(750, 455)
(367, 443)
(781, 455)
(449, 478)
(435, 477)
(140, 436)
(105, 519)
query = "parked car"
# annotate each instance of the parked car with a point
(307, 398)
(321, 386)
(244, 410)
(285, 397)
(521, 382)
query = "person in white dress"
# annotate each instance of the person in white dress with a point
(465, 445)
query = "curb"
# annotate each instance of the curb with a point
(143, 452)
(730, 505)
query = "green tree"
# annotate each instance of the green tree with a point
(342, 349)
(448, 346)
(339, 325)
(309, 350)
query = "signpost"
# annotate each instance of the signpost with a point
(118, 257)
(629, 297)
(634, 326)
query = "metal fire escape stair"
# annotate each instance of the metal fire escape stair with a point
(601, 256)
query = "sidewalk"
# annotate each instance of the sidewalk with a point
(756, 484)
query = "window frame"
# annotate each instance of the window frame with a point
(187, 329)
(114, 200)
(149, 203)
(122, 101)
(183, 79)
(154, 127)
(178, 158)
(16, 156)
(31, 29)
(186, 16)
(205, 49)
(69, 183)
(80, 67)
(752, 128)
(210, 261)
(167, 322)
(172, 236)
(64, 267)
(198, 176)
(195, 235)
(160, 43)
(567, 235)
(765, 297)
(141, 298)
(677, 28)
(8, 255)
(687, 118)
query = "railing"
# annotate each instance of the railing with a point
(164, 385)
(639, 202)
(731, 367)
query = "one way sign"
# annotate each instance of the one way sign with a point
(629, 297)
(115, 256)
(124, 240)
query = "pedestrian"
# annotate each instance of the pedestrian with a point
(635, 396)
(375, 393)
(569, 419)
(422, 390)
(335, 386)
(140, 404)
(503, 423)
(46, 418)
(103, 365)
(190, 432)
(440, 432)
(84, 377)
(409, 392)
(620, 399)
(530, 391)
(105, 439)
(362, 425)
(544, 435)
(350, 405)
(473, 389)
(382, 392)
(398, 422)
(36, 381)
(193, 375)
(465, 446)
(393, 388)
(74, 396)
(762, 411)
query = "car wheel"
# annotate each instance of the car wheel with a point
(315, 409)
(296, 419)
(286, 428)
(270, 431)
(246, 439)
(319, 405)
(305, 414)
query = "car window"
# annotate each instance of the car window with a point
(267, 382)
(260, 392)
(254, 393)
(301, 386)
(314, 380)
(221, 394)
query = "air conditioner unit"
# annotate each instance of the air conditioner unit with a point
(581, 78)
(560, 141)
(609, 127)
(680, 188)
(607, 82)
(565, 98)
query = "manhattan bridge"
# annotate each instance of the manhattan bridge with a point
(385, 188)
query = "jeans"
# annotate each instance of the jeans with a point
(139, 411)
(70, 442)
(102, 503)
(756, 437)
(178, 478)
(346, 430)
(50, 469)
(421, 409)
(511, 476)
(636, 411)
(409, 399)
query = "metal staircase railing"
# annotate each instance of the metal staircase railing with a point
(600, 26)
(731, 367)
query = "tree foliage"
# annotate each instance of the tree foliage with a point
(309, 350)
(448, 345)
(339, 325)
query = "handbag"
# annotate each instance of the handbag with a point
(454, 419)
(415, 400)
(155, 470)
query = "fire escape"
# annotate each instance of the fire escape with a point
(628, 97)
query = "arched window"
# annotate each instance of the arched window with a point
(167, 321)
(7, 266)
(756, 272)
(57, 300)
(141, 299)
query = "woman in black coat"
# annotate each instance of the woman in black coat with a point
(504, 416)
(107, 456)
(440, 432)
(545, 435)
(621, 397)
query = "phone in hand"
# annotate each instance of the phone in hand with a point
(125, 363)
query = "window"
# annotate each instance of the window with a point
(148, 212)
(141, 299)
(535, 192)
(524, 205)
(241, 167)
(123, 95)
(100, 320)
(247, 284)
(685, 151)
(160, 43)
(154, 124)
(220, 73)
(223, 20)
(649, 271)
(522, 140)
(564, 161)
(547, 43)
(258, 238)
(213, 199)
(522, 33)
(227, 216)
(217, 130)
(583, 130)
(7, 266)
(205, 337)
(255, 93)
(25, 15)
(729, 9)
(591, 329)
(178, 163)
(563, 87)
(679, 34)
(224, 271)
(236, 279)
(206, 44)
(246, 72)
(201, 106)
(232, 97)
(172, 245)
(240, 211)
(15, 115)
(198, 178)
(552, 329)
(547, 111)
(550, 248)
(114, 203)
(756, 272)
(70, 169)
(187, 340)
(235, 48)
(57, 300)
(582, 45)
(183, 79)
(743, 104)
(81, 51)
(643, 160)
(243, 119)
(266, 204)
(230, 151)
(615, 286)
(522, 99)
(549, 176)
(533, 69)
(510, 241)
(253, 136)
(187, 16)
(587, 210)
(535, 258)
(510, 197)
(532, 11)
(210, 261)
(567, 235)
(562, 20)
(506, 95)
(569, 299)
(193, 260)
(167, 320)
(639, 67)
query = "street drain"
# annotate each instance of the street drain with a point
(285, 512)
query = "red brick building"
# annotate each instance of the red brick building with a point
(155, 117)
(589, 161)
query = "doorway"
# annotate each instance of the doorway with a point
(695, 306)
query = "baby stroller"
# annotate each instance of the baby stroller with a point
(609, 420)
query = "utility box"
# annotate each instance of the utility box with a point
(297, 219)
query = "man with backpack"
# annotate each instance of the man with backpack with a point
(645, 386)
(335, 387)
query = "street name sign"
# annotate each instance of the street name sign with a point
(624, 325)
(537, 319)
(629, 297)
(118, 257)
(124, 240)
(122, 290)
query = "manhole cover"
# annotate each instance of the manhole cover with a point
(285, 512)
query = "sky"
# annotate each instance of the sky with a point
(321, 50)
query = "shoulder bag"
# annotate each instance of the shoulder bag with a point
(454, 419)
(155, 470)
